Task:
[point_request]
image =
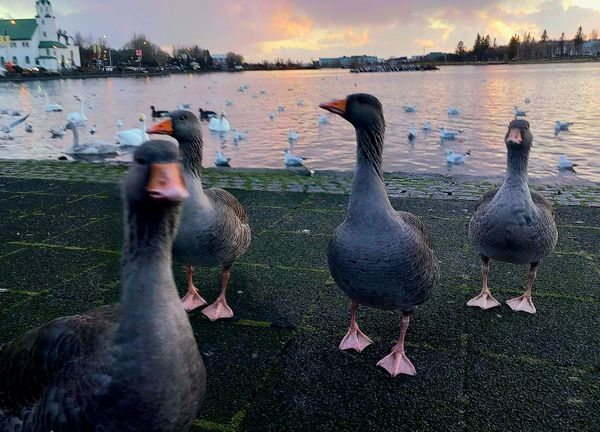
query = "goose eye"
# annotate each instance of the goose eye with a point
(181, 119)
(140, 161)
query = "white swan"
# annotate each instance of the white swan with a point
(565, 164)
(78, 118)
(291, 160)
(293, 135)
(426, 126)
(133, 137)
(221, 160)
(453, 111)
(94, 147)
(50, 107)
(519, 112)
(456, 158)
(238, 136)
(412, 132)
(220, 124)
(409, 108)
(448, 134)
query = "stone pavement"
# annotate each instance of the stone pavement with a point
(276, 366)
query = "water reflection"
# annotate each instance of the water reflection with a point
(485, 97)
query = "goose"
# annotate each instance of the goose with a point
(132, 366)
(409, 108)
(206, 114)
(214, 228)
(93, 130)
(564, 163)
(519, 112)
(238, 136)
(95, 147)
(57, 132)
(133, 137)
(453, 111)
(158, 114)
(412, 132)
(457, 158)
(9, 127)
(272, 115)
(290, 160)
(221, 160)
(323, 119)
(446, 134)
(426, 126)
(378, 256)
(293, 135)
(78, 118)
(220, 124)
(513, 224)
(50, 107)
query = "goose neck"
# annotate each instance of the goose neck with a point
(192, 155)
(516, 165)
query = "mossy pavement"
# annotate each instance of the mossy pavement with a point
(276, 366)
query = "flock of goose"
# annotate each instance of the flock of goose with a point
(136, 366)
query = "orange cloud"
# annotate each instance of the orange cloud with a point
(286, 24)
(425, 43)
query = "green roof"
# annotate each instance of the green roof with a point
(51, 44)
(22, 29)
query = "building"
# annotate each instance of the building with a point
(37, 42)
(591, 48)
(219, 60)
(346, 62)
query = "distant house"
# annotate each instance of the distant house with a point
(345, 61)
(591, 48)
(37, 42)
(219, 60)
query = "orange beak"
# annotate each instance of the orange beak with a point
(165, 127)
(166, 182)
(336, 106)
(514, 136)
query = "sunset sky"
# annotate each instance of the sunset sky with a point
(305, 29)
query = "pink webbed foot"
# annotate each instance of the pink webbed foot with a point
(219, 309)
(355, 339)
(397, 363)
(192, 300)
(484, 301)
(522, 303)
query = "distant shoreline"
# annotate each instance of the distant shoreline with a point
(521, 62)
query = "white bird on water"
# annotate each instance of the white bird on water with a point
(78, 118)
(323, 119)
(120, 124)
(527, 100)
(300, 102)
(93, 130)
(409, 108)
(220, 124)
(519, 112)
(453, 111)
(7, 129)
(94, 147)
(426, 126)
(280, 108)
(564, 164)
(561, 126)
(221, 160)
(293, 135)
(50, 107)
(229, 102)
(133, 137)
(412, 132)
(291, 160)
(57, 132)
(457, 158)
(272, 115)
(448, 134)
(238, 136)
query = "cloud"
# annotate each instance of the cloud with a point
(425, 43)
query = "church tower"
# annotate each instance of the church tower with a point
(45, 20)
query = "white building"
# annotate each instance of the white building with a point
(37, 42)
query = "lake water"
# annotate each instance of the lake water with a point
(484, 95)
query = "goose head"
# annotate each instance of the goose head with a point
(519, 136)
(363, 111)
(182, 125)
(155, 176)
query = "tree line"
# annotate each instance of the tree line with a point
(526, 46)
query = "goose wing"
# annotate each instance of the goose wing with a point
(225, 198)
(29, 364)
(418, 226)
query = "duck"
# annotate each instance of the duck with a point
(206, 114)
(565, 164)
(238, 136)
(378, 256)
(78, 118)
(293, 135)
(519, 112)
(323, 119)
(95, 147)
(453, 111)
(124, 367)
(158, 114)
(291, 160)
(409, 108)
(221, 160)
(9, 127)
(57, 132)
(412, 132)
(457, 158)
(513, 224)
(446, 134)
(426, 126)
(133, 137)
(220, 124)
(214, 229)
